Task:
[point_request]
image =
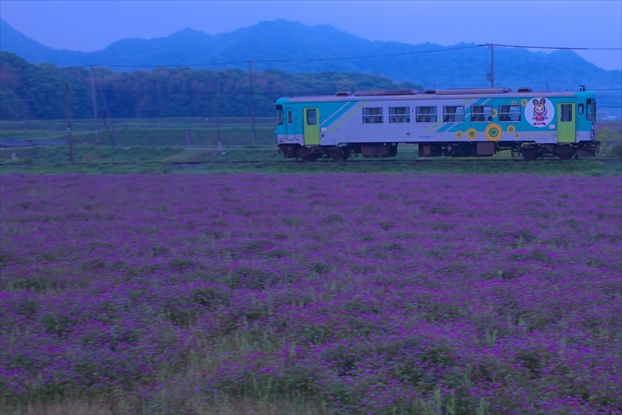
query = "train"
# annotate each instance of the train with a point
(457, 122)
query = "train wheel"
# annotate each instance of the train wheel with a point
(529, 153)
(336, 153)
(346, 153)
(305, 154)
(564, 152)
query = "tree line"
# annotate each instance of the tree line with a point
(29, 91)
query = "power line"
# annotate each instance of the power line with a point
(548, 47)
(370, 56)
(280, 93)
(575, 82)
(295, 60)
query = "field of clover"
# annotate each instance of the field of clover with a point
(366, 293)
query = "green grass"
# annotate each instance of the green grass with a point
(156, 137)
(147, 132)
(145, 123)
(84, 154)
(434, 166)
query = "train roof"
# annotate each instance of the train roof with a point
(452, 93)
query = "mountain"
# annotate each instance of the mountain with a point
(294, 47)
(33, 51)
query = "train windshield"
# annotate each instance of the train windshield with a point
(279, 114)
(590, 112)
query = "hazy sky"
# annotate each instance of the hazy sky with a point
(92, 25)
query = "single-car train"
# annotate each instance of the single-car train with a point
(460, 122)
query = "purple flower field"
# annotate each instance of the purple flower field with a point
(364, 293)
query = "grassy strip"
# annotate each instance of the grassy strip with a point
(543, 167)
(31, 126)
(156, 137)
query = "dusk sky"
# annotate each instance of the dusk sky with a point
(92, 25)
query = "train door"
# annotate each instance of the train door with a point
(312, 126)
(566, 123)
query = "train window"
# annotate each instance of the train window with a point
(399, 114)
(290, 117)
(566, 113)
(509, 113)
(581, 108)
(590, 109)
(426, 114)
(372, 115)
(311, 116)
(481, 113)
(453, 114)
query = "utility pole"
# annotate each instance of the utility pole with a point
(108, 130)
(491, 75)
(114, 132)
(218, 123)
(27, 108)
(94, 106)
(250, 77)
(68, 112)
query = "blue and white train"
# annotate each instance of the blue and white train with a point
(475, 122)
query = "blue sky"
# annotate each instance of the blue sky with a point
(92, 25)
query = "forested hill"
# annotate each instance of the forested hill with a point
(30, 91)
(301, 48)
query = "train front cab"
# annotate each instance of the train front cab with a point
(289, 134)
(575, 127)
(298, 129)
(299, 133)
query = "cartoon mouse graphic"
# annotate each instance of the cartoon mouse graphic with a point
(539, 110)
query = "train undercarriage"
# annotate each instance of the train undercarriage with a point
(529, 151)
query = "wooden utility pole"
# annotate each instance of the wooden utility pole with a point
(108, 131)
(94, 106)
(491, 75)
(68, 112)
(250, 77)
(114, 132)
(27, 108)
(218, 123)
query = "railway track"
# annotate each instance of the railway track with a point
(351, 161)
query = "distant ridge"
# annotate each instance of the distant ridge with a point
(286, 40)
(12, 40)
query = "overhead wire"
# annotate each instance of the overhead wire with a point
(549, 47)
(282, 93)
(269, 93)
(291, 60)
